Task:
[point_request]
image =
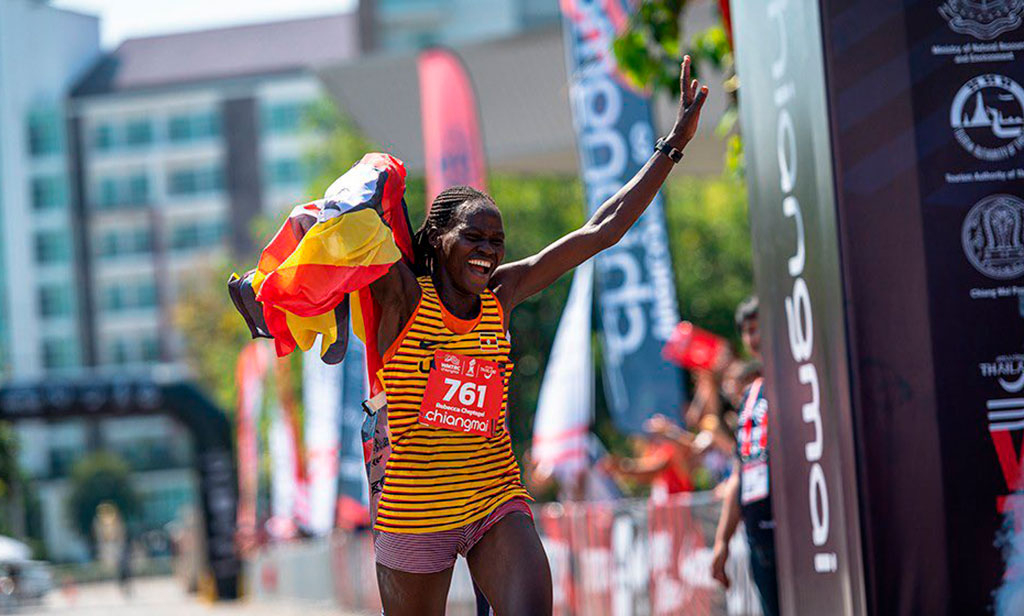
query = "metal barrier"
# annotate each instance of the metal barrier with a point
(621, 558)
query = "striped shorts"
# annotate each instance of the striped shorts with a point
(433, 552)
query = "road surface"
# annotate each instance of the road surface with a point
(163, 597)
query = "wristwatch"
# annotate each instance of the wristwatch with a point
(673, 154)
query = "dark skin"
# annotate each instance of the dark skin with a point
(509, 563)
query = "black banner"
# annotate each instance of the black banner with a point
(918, 155)
(796, 255)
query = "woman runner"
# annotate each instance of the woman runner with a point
(452, 482)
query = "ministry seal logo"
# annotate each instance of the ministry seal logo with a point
(993, 236)
(987, 117)
(983, 19)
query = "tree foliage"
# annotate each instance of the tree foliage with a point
(650, 50)
(95, 479)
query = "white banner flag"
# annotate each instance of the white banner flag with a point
(565, 407)
(321, 395)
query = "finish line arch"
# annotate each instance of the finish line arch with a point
(108, 396)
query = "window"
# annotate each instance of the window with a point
(48, 192)
(118, 351)
(196, 181)
(55, 300)
(124, 242)
(138, 189)
(113, 192)
(52, 247)
(197, 234)
(193, 127)
(138, 133)
(44, 135)
(103, 137)
(283, 118)
(150, 349)
(285, 172)
(59, 353)
(120, 296)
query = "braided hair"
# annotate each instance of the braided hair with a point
(439, 219)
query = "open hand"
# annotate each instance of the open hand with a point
(691, 99)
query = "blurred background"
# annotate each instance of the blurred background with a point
(149, 149)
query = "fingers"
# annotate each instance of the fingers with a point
(684, 80)
(698, 102)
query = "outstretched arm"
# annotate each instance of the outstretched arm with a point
(517, 281)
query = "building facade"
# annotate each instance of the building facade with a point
(124, 180)
(407, 25)
(39, 325)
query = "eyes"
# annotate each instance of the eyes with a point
(475, 237)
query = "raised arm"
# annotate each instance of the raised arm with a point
(517, 281)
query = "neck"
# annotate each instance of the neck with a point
(461, 304)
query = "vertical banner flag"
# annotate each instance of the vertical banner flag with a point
(636, 291)
(249, 375)
(283, 487)
(565, 406)
(321, 395)
(451, 134)
(351, 483)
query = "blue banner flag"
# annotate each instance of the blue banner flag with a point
(636, 294)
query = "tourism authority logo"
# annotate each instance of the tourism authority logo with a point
(993, 236)
(983, 19)
(987, 117)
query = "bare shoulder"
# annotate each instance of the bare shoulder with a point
(397, 289)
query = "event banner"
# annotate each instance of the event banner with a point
(923, 191)
(785, 121)
(321, 401)
(565, 404)
(636, 293)
(250, 372)
(454, 153)
(353, 389)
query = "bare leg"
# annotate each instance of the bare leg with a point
(510, 566)
(413, 594)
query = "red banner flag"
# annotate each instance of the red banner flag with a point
(454, 152)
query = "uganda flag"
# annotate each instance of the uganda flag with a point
(326, 250)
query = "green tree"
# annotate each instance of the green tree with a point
(650, 50)
(95, 479)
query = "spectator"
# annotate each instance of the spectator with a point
(665, 456)
(746, 492)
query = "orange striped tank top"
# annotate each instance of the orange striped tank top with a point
(438, 479)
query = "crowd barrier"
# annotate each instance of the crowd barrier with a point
(621, 558)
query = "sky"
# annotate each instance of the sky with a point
(121, 19)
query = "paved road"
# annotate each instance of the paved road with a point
(163, 597)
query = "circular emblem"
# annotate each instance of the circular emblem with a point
(993, 236)
(983, 19)
(987, 117)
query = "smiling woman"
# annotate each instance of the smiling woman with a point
(452, 485)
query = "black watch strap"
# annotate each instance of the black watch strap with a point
(673, 154)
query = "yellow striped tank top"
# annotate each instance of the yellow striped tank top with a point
(438, 479)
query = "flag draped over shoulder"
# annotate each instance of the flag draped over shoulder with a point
(326, 250)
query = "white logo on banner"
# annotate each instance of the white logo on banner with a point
(983, 19)
(987, 117)
(993, 236)
(1008, 370)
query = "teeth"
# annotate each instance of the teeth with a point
(480, 263)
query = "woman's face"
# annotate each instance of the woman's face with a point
(473, 247)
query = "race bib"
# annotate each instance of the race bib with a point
(754, 482)
(463, 394)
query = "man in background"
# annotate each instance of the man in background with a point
(746, 494)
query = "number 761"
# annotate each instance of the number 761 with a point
(469, 393)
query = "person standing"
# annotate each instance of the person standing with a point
(747, 494)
